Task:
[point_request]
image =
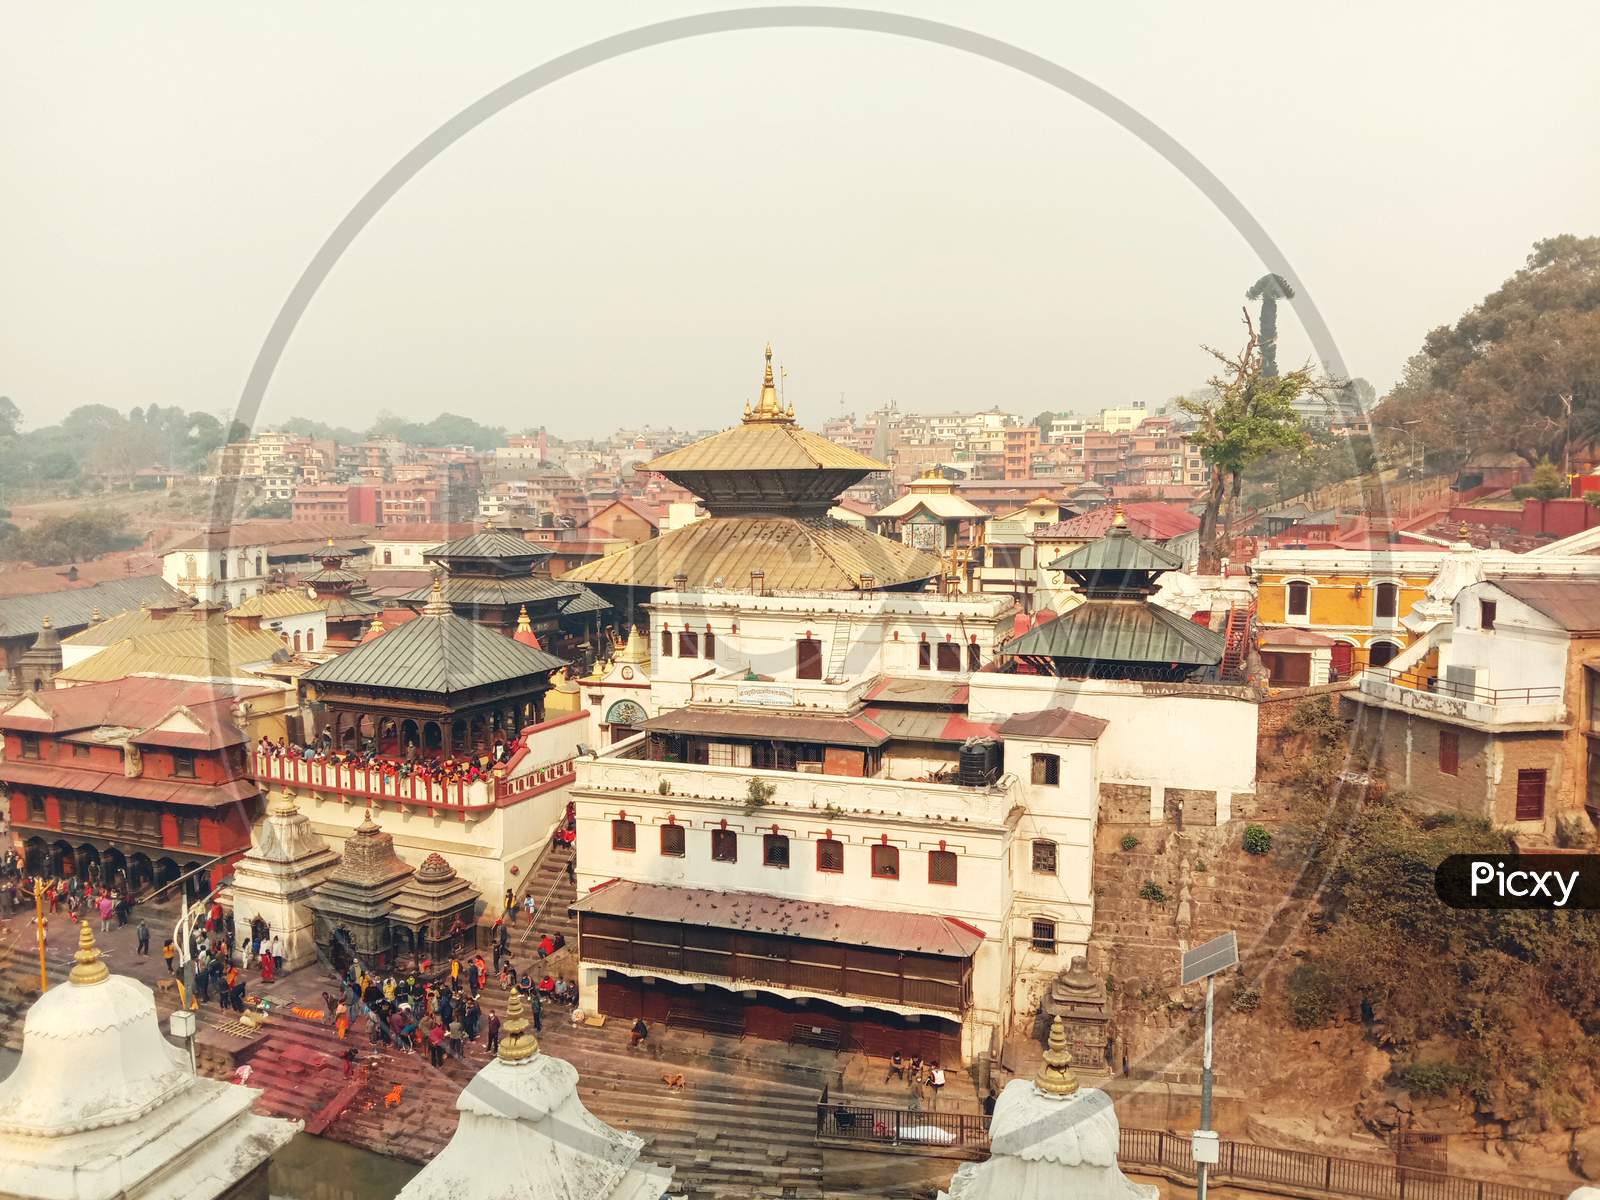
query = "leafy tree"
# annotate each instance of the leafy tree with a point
(10, 418)
(71, 538)
(1520, 370)
(1247, 415)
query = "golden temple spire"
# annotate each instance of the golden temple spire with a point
(90, 968)
(1118, 519)
(769, 407)
(436, 605)
(523, 624)
(517, 1041)
(1055, 1078)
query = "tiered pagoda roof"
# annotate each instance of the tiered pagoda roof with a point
(767, 485)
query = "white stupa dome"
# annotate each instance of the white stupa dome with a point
(92, 1054)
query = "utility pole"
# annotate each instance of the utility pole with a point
(1207, 962)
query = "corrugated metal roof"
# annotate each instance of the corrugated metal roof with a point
(501, 590)
(807, 553)
(1121, 631)
(778, 726)
(211, 648)
(1118, 550)
(1146, 519)
(892, 689)
(941, 504)
(70, 609)
(489, 543)
(139, 621)
(439, 653)
(170, 791)
(1573, 604)
(844, 924)
(764, 446)
(290, 602)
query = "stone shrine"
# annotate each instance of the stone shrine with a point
(286, 861)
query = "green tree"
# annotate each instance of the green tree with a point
(71, 538)
(1247, 415)
(1269, 289)
(1548, 483)
(1519, 371)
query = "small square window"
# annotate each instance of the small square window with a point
(189, 831)
(1298, 599)
(1044, 858)
(183, 764)
(724, 845)
(775, 850)
(885, 862)
(79, 750)
(30, 745)
(942, 867)
(830, 856)
(623, 834)
(949, 656)
(672, 841)
(36, 808)
(688, 644)
(1487, 610)
(1044, 936)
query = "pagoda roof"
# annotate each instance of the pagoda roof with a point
(1122, 630)
(511, 590)
(1118, 551)
(439, 652)
(795, 553)
(489, 544)
(764, 446)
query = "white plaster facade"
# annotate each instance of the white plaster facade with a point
(224, 574)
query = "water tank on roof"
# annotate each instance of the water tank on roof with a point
(979, 762)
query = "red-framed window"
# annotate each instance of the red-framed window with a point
(624, 835)
(672, 841)
(830, 856)
(885, 862)
(942, 867)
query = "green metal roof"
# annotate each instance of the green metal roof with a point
(1130, 630)
(439, 653)
(1118, 550)
(72, 607)
(491, 591)
(489, 543)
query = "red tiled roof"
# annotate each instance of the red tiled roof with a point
(1148, 519)
(137, 703)
(109, 783)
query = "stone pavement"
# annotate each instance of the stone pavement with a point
(740, 1125)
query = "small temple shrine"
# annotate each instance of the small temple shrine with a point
(767, 485)
(343, 594)
(1117, 632)
(102, 1107)
(438, 685)
(432, 914)
(373, 906)
(275, 879)
(1049, 1137)
(525, 1132)
(1077, 998)
(351, 906)
(930, 516)
(498, 578)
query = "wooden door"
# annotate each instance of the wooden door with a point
(1530, 795)
(808, 659)
(1343, 659)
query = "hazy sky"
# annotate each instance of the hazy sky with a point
(900, 219)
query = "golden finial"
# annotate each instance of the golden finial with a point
(488, 524)
(523, 624)
(95, 616)
(768, 407)
(44, 622)
(330, 541)
(436, 606)
(1461, 531)
(1055, 1078)
(283, 804)
(376, 629)
(517, 1042)
(90, 968)
(1118, 519)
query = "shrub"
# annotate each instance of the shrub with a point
(1199, 866)
(1434, 1077)
(1246, 997)
(758, 793)
(1153, 892)
(1311, 999)
(1257, 840)
(1129, 841)
(664, 787)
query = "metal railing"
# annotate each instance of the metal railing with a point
(1438, 686)
(1247, 1163)
(1262, 1167)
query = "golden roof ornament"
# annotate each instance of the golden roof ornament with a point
(1119, 519)
(283, 804)
(436, 605)
(524, 625)
(769, 407)
(517, 1041)
(1055, 1078)
(90, 968)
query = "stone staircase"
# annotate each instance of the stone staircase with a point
(554, 893)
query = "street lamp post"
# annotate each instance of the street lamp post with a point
(1207, 962)
(38, 917)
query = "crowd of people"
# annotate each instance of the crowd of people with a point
(89, 897)
(413, 764)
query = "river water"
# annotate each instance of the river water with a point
(313, 1168)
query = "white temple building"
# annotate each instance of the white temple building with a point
(524, 1132)
(102, 1107)
(1049, 1139)
(286, 861)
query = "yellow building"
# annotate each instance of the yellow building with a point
(1356, 598)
